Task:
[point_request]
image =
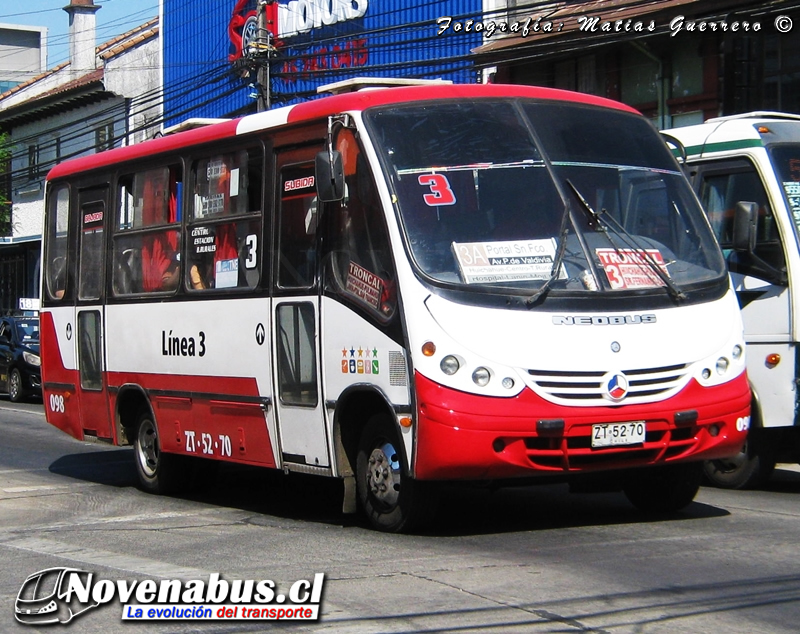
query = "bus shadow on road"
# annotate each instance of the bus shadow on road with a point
(473, 511)
(113, 467)
(462, 509)
(783, 480)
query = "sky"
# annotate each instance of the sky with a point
(114, 18)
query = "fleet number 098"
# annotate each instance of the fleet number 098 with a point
(57, 403)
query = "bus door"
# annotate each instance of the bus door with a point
(91, 388)
(299, 403)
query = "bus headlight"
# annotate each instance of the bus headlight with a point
(449, 365)
(481, 376)
(737, 352)
(722, 365)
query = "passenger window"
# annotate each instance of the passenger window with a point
(227, 184)
(56, 268)
(360, 259)
(224, 255)
(147, 240)
(224, 234)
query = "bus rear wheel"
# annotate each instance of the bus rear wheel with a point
(158, 472)
(391, 499)
(663, 489)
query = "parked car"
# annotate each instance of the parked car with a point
(20, 364)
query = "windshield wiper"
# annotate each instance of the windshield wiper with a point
(613, 225)
(558, 260)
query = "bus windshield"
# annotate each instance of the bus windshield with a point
(497, 195)
(786, 160)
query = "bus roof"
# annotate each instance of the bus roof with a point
(733, 133)
(319, 109)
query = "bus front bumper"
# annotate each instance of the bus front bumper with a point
(464, 436)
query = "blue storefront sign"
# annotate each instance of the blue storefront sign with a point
(315, 42)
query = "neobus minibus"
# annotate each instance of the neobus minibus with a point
(746, 171)
(397, 287)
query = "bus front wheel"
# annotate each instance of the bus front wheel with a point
(158, 472)
(664, 489)
(391, 499)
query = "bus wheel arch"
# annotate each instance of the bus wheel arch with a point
(158, 472)
(354, 408)
(130, 402)
(752, 466)
(361, 410)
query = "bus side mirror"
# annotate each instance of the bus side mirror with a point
(329, 176)
(745, 219)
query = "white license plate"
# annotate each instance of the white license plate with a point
(612, 434)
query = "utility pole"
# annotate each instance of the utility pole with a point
(259, 52)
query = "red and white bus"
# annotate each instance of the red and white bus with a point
(397, 287)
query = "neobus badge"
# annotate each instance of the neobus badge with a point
(603, 320)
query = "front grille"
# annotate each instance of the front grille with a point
(574, 451)
(587, 388)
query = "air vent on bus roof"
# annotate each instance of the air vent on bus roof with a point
(361, 83)
(191, 124)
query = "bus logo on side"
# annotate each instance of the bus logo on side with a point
(48, 596)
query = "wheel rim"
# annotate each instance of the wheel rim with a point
(384, 474)
(147, 445)
(15, 385)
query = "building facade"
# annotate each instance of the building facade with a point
(23, 54)
(305, 44)
(103, 97)
(679, 61)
